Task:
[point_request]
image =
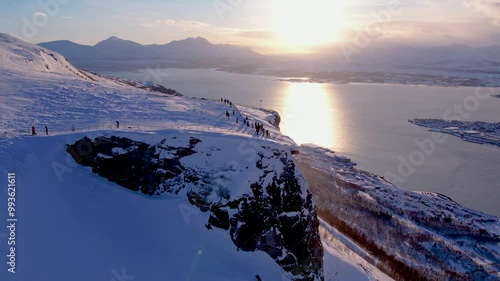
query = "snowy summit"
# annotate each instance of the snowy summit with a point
(179, 188)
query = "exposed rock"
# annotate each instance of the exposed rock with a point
(275, 214)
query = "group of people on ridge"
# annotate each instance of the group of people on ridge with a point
(33, 129)
(226, 101)
(259, 127)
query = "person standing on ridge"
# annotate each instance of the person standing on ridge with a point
(46, 130)
(73, 127)
(33, 131)
(117, 124)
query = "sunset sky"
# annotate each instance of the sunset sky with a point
(278, 26)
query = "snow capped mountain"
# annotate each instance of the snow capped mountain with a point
(178, 191)
(96, 230)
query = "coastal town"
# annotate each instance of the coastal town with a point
(471, 131)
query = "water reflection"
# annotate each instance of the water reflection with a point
(309, 115)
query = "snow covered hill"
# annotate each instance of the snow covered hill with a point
(22, 58)
(74, 225)
(77, 223)
(433, 236)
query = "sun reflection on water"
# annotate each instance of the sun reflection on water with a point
(309, 115)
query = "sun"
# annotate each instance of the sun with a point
(307, 23)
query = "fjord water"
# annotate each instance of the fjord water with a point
(368, 123)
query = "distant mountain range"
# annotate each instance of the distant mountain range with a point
(115, 52)
(389, 63)
(455, 55)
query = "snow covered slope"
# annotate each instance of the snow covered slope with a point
(75, 225)
(31, 95)
(23, 58)
(436, 238)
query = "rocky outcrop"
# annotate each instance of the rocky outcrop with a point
(276, 120)
(274, 212)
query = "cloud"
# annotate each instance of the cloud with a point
(248, 33)
(40, 14)
(146, 25)
(66, 17)
(258, 34)
(129, 17)
(471, 32)
(193, 24)
(490, 8)
(167, 21)
(185, 24)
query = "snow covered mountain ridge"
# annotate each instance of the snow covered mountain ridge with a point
(115, 52)
(262, 200)
(19, 57)
(177, 190)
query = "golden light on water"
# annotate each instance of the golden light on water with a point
(309, 115)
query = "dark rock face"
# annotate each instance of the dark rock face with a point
(278, 218)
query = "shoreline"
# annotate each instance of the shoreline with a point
(277, 125)
(470, 131)
(307, 78)
(376, 214)
(299, 78)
